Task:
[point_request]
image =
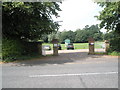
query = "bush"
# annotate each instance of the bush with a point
(115, 44)
(13, 49)
(114, 53)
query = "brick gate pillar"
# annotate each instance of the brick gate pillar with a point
(55, 47)
(91, 45)
(106, 45)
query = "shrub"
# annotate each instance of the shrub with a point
(115, 44)
(114, 53)
(11, 48)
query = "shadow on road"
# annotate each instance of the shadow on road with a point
(61, 59)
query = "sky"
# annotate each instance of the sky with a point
(76, 14)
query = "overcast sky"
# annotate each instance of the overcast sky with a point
(77, 14)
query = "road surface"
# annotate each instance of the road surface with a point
(71, 69)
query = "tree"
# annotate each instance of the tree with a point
(44, 38)
(29, 20)
(67, 35)
(110, 16)
(110, 20)
(63, 36)
(98, 36)
(81, 36)
(88, 31)
(109, 35)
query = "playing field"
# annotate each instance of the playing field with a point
(78, 45)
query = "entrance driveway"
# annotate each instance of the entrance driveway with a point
(71, 69)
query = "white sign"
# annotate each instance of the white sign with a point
(55, 45)
(92, 43)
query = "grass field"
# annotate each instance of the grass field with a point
(78, 45)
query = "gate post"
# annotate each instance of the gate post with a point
(55, 47)
(106, 45)
(91, 45)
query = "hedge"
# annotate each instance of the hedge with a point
(14, 48)
(115, 44)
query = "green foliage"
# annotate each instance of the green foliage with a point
(29, 20)
(85, 33)
(67, 35)
(21, 58)
(44, 38)
(98, 36)
(115, 45)
(114, 53)
(11, 49)
(109, 35)
(80, 35)
(24, 21)
(52, 36)
(110, 16)
(48, 38)
(110, 20)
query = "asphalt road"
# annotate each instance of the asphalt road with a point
(68, 70)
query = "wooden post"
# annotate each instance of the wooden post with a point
(91, 45)
(106, 45)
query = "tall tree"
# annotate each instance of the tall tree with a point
(67, 35)
(81, 36)
(110, 16)
(88, 31)
(110, 20)
(109, 35)
(29, 20)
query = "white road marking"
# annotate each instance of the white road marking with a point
(81, 74)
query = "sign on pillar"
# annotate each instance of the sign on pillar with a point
(106, 45)
(91, 45)
(55, 47)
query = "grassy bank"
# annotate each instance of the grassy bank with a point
(111, 54)
(27, 57)
(114, 53)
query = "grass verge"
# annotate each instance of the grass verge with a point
(109, 53)
(21, 58)
(114, 53)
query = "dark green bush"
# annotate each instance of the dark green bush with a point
(114, 53)
(115, 44)
(13, 49)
